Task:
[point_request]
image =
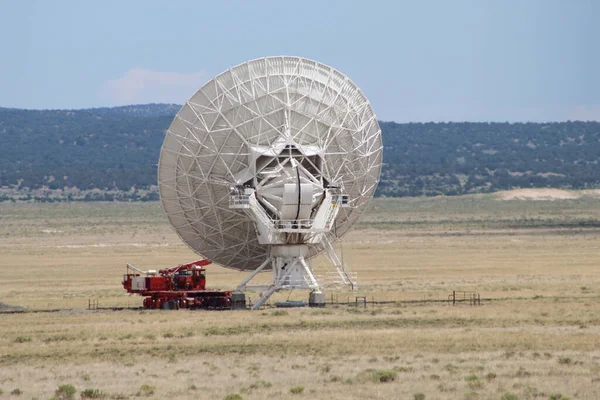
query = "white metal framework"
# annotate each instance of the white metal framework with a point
(275, 152)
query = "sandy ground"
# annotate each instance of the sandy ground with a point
(538, 194)
(546, 194)
(534, 337)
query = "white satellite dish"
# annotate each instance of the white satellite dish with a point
(267, 165)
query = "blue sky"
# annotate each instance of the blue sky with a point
(456, 60)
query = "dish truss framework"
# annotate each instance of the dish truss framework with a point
(268, 164)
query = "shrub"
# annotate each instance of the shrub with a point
(565, 361)
(92, 394)
(509, 396)
(558, 396)
(279, 313)
(65, 392)
(260, 384)
(451, 368)
(418, 396)
(146, 390)
(126, 336)
(471, 396)
(324, 368)
(16, 392)
(490, 376)
(473, 382)
(254, 367)
(233, 396)
(446, 388)
(522, 373)
(296, 389)
(383, 376)
(22, 339)
(402, 369)
(377, 376)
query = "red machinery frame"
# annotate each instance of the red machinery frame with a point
(183, 286)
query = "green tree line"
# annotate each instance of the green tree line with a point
(118, 148)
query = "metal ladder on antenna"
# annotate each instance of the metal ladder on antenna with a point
(337, 263)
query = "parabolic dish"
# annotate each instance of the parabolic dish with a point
(246, 111)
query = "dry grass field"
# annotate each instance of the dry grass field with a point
(535, 336)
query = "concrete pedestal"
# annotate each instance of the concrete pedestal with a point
(316, 299)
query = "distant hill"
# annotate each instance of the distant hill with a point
(466, 157)
(95, 148)
(138, 110)
(115, 150)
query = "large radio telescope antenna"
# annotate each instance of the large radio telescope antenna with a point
(268, 164)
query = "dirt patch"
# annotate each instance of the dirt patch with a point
(8, 308)
(592, 192)
(538, 194)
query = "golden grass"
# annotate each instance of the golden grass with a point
(535, 335)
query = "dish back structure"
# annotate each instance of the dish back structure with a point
(281, 134)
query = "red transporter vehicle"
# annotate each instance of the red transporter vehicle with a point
(183, 286)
